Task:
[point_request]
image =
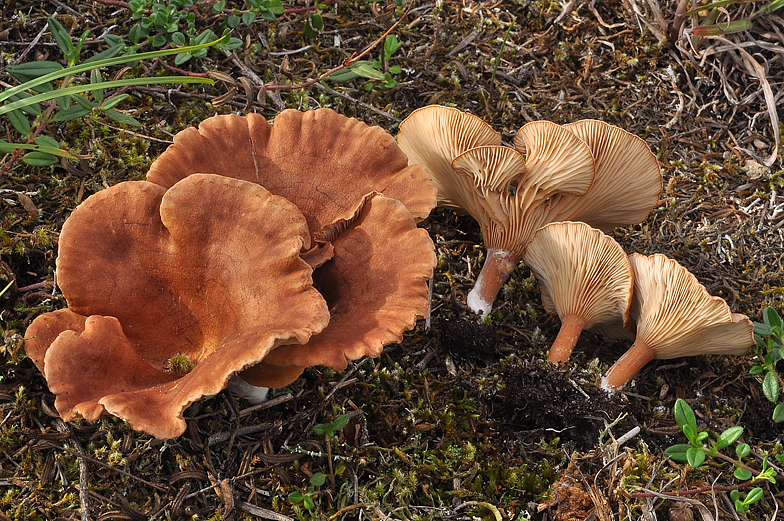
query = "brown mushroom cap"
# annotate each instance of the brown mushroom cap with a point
(585, 278)
(372, 301)
(321, 161)
(624, 165)
(153, 275)
(331, 167)
(434, 135)
(676, 316)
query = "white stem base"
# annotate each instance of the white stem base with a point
(253, 394)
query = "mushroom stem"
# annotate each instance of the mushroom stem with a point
(627, 366)
(496, 270)
(571, 327)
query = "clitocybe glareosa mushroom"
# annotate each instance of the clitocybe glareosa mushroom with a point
(676, 317)
(585, 278)
(208, 271)
(372, 264)
(498, 186)
(622, 163)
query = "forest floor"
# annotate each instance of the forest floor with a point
(462, 420)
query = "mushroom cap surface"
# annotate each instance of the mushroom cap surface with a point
(323, 162)
(624, 165)
(342, 174)
(372, 301)
(581, 271)
(676, 316)
(149, 275)
(434, 135)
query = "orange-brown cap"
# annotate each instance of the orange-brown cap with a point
(375, 286)
(208, 270)
(323, 162)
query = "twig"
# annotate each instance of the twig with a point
(37, 285)
(700, 490)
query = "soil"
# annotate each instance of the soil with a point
(462, 419)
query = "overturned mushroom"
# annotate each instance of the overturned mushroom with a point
(624, 165)
(676, 317)
(555, 160)
(498, 186)
(371, 261)
(585, 278)
(150, 277)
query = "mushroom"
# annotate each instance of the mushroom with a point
(376, 287)
(434, 135)
(371, 261)
(624, 164)
(676, 317)
(498, 186)
(585, 278)
(552, 156)
(152, 278)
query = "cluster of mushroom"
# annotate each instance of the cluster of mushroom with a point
(589, 282)
(250, 250)
(587, 171)
(571, 172)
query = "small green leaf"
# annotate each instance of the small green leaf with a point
(233, 21)
(84, 102)
(753, 496)
(275, 6)
(742, 474)
(684, 415)
(678, 452)
(757, 369)
(770, 386)
(28, 71)
(695, 457)
(771, 317)
(318, 479)
(340, 422)
(114, 100)
(320, 428)
(742, 450)
(19, 122)
(365, 69)
(182, 58)
(39, 159)
(307, 502)
(119, 117)
(46, 141)
(178, 38)
(396, 69)
(95, 79)
(137, 33)
(778, 413)
(317, 21)
(343, 75)
(248, 17)
(61, 36)
(159, 40)
(218, 6)
(71, 113)
(296, 497)
(729, 436)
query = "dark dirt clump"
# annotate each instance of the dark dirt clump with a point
(542, 396)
